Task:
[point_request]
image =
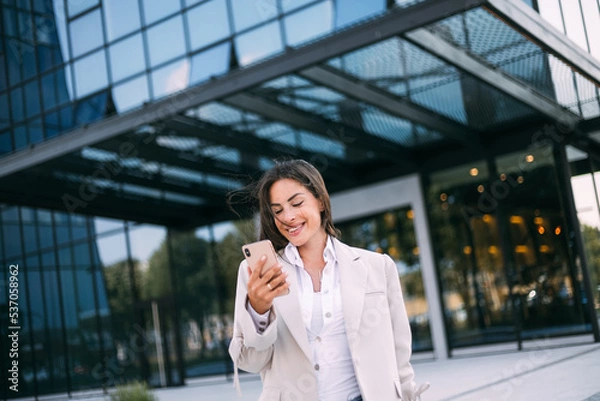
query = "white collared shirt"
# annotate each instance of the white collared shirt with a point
(323, 318)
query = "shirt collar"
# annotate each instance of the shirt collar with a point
(292, 254)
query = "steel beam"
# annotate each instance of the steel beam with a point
(390, 24)
(396, 106)
(248, 143)
(531, 24)
(126, 175)
(496, 79)
(357, 139)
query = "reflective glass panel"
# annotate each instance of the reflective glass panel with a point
(208, 23)
(3, 78)
(86, 33)
(32, 99)
(90, 74)
(5, 142)
(393, 233)
(115, 287)
(36, 131)
(49, 90)
(131, 94)
(4, 111)
(76, 7)
(171, 78)
(166, 41)
(127, 57)
(212, 62)
(351, 11)
(309, 24)
(103, 224)
(122, 17)
(20, 137)
(259, 44)
(250, 13)
(288, 5)
(17, 108)
(157, 9)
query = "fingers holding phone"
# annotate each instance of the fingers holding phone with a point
(266, 279)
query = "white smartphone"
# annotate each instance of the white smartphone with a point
(254, 251)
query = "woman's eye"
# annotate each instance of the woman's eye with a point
(277, 211)
(297, 204)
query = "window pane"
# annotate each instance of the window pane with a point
(157, 9)
(32, 99)
(171, 78)
(64, 84)
(208, 23)
(5, 142)
(16, 102)
(574, 23)
(20, 137)
(131, 94)
(76, 7)
(4, 111)
(349, 11)
(591, 15)
(3, 78)
(258, 44)
(249, 13)
(309, 24)
(49, 90)
(127, 58)
(90, 74)
(166, 41)
(122, 17)
(212, 62)
(86, 33)
(36, 132)
(288, 5)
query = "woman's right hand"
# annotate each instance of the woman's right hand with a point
(262, 289)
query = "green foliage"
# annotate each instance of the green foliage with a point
(136, 391)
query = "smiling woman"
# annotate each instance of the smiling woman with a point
(342, 332)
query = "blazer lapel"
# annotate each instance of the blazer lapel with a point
(353, 281)
(288, 307)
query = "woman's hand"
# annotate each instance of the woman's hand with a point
(262, 289)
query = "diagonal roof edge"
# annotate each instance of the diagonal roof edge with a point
(531, 24)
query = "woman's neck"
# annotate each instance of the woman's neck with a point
(311, 252)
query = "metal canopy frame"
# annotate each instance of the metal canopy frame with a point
(361, 141)
(498, 80)
(525, 20)
(391, 24)
(367, 93)
(367, 153)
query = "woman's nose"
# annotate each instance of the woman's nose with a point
(289, 215)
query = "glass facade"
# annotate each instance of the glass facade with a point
(502, 253)
(106, 300)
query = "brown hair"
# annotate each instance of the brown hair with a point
(309, 177)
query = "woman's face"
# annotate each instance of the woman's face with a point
(297, 212)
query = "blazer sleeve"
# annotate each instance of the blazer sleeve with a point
(401, 327)
(250, 351)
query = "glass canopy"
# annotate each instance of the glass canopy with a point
(373, 100)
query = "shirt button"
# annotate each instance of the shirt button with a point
(318, 339)
(317, 367)
(263, 323)
(260, 329)
(328, 314)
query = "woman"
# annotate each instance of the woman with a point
(328, 322)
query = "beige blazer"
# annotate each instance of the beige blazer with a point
(376, 325)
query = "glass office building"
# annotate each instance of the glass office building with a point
(460, 137)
